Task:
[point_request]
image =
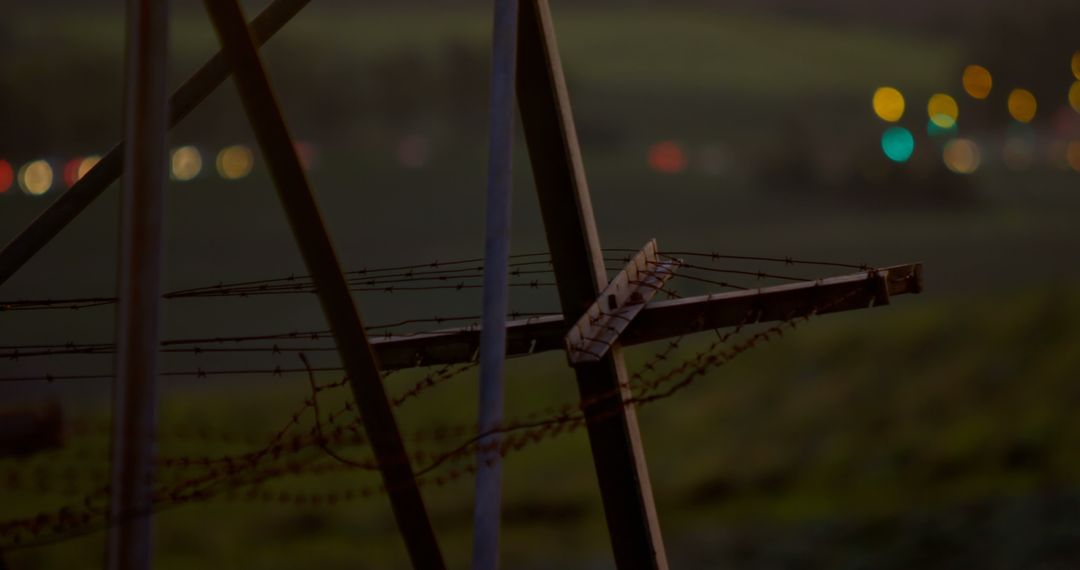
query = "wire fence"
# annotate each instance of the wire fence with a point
(318, 438)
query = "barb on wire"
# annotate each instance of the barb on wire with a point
(292, 451)
(454, 275)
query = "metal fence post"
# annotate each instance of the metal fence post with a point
(488, 500)
(130, 544)
(579, 272)
(317, 250)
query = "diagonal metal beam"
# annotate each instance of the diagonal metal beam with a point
(193, 92)
(305, 219)
(578, 261)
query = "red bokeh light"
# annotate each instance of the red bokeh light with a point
(71, 171)
(7, 176)
(667, 157)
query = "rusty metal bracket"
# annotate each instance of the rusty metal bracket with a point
(593, 334)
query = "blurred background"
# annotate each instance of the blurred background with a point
(938, 432)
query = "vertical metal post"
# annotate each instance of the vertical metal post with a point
(130, 544)
(311, 236)
(487, 505)
(579, 272)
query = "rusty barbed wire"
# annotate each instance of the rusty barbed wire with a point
(305, 453)
(393, 279)
(518, 435)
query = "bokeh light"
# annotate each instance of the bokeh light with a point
(7, 176)
(186, 163)
(888, 104)
(234, 162)
(1074, 96)
(898, 144)
(962, 156)
(1072, 155)
(36, 178)
(1022, 105)
(86, 164)
(1018, 154)
(71, 171)
(977, 81)
(1076, 64)
(943, 110)
(667, 157)
(934, 128)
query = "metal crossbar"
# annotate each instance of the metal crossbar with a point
(594, 333)
(666, 319)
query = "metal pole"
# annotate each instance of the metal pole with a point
(496, 285)
(566, 208)
(70, 204)
(318, 252)
(130, 545)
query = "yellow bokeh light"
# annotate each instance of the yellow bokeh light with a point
(235, 162)
(36, 178)
(1072, 155)
(1076, 64)
(86, 164)
(943, 110)
(1074, 96)
(186, 163)
(888, 104)
(962, 156)
(1022, 105)
(977, 81)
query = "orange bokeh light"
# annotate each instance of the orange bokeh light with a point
(667, 157)
(1022, 105)
(977, 81)
(1072, 155)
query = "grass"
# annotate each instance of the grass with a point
(855, 417)
(964, 395)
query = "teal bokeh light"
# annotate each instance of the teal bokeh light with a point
(934, 128)
(898, 144)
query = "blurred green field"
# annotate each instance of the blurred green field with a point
(927, 434)
(632, 48)
(923, 407)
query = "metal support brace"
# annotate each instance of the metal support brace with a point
(319, 256)
(593, 334)
(578, 261)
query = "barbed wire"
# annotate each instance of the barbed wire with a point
(403, 278)
(318, 448)
(249, 470)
